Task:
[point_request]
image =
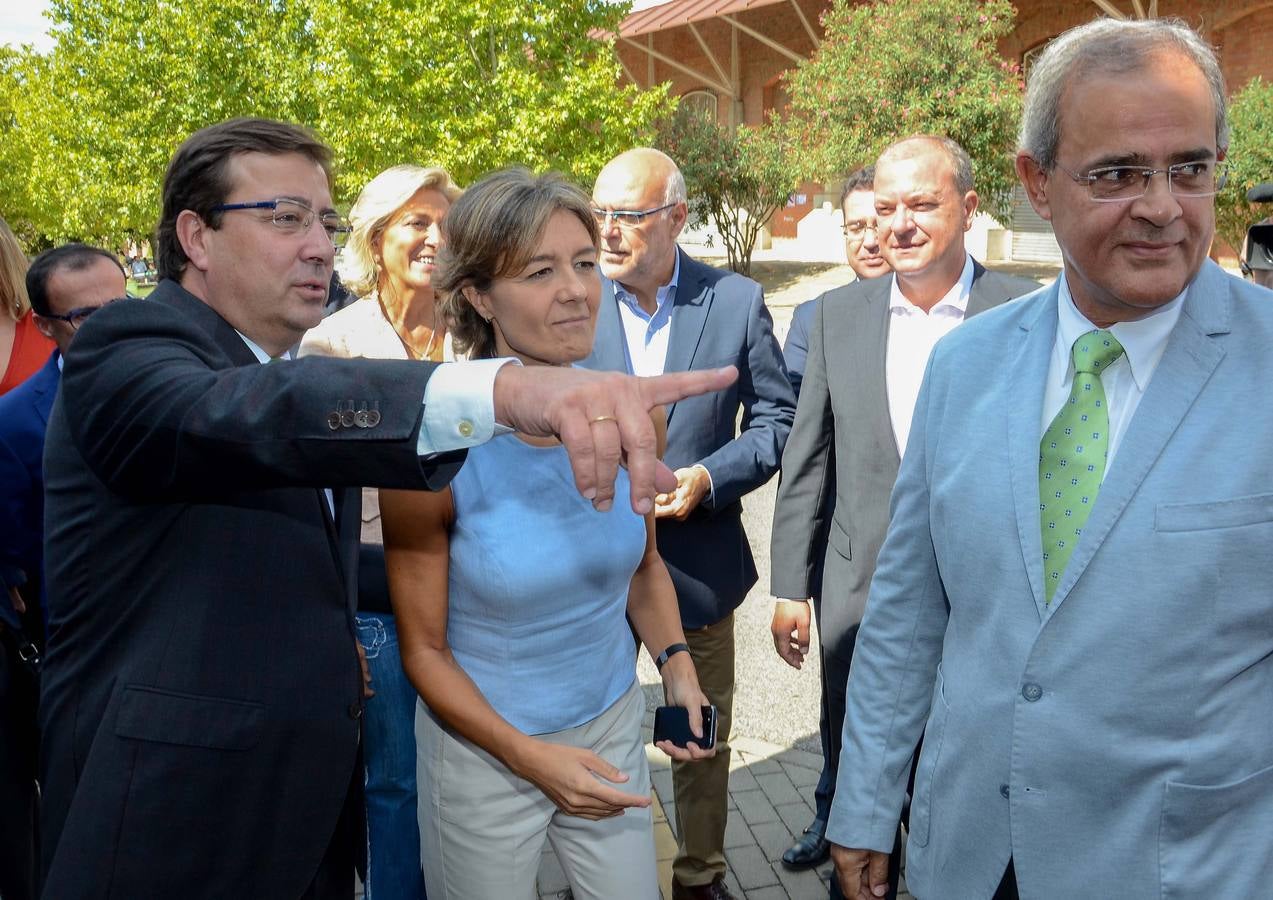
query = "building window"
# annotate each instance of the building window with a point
(700, 101)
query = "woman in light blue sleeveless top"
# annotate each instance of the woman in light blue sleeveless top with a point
(513, 594)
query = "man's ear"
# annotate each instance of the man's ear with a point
(193, 234)
(45, 326)
(1035, 182)
(971, 200)
(678, 215)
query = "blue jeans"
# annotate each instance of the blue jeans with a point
(388, 736)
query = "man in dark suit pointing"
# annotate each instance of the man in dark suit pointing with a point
(202, 690)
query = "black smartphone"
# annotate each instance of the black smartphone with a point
(672, 723)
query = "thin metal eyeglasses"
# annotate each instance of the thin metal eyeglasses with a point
(1111, 184)
(75, 318)
(293, 217)
(626, 218)
(857, 230)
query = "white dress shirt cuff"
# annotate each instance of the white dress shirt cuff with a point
(459, 406)
(711, 486)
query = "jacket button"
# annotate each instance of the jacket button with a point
(355, 710)
(1032, 692)
(1004, 791)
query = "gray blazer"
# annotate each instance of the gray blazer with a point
(841, 459)
(1120, 737)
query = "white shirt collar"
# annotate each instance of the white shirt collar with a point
(954, 301)
(259, 353)
(1144, 340)
(661, 297)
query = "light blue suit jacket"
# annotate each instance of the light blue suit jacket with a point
(1120, 741)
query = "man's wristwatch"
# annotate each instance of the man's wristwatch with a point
(672, 648)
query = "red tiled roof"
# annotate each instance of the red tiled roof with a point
(679, 12)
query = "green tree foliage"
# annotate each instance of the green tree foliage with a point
(476, 85)
(891, 68)
(468, 84)
(736, 180)
(1250, 161)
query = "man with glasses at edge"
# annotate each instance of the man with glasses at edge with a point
(663, 311)
(1072, 601)
(202, 690)
(66, 285)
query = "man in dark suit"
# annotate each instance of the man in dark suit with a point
(862, 248)
(663, 311)
(868, 350)
(66, 285)
(202, 691)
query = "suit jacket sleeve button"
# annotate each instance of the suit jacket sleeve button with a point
(333, 421)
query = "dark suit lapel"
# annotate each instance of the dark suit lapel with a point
(609, 348)
(871, 355)
(231, 343)
(981, 297)
(45, 388)
(690, 306)
(1187, 364)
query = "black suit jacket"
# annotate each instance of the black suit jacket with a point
(718, 318)
(201, 691)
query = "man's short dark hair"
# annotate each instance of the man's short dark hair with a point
(198, 175)
(69, 258)
(861, 180)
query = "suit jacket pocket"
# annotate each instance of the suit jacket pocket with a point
(1233, 513)
(929, 757)
(838, 540)
(191, 720)
(1217, 836)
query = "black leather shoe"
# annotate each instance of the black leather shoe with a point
(714, 891)
(811, 850)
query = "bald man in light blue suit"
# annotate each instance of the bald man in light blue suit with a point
(1110, 735)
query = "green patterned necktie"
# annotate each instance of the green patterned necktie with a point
(1072, 455)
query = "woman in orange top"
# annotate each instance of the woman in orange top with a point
(23, 349)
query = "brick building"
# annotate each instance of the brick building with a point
(729, 56)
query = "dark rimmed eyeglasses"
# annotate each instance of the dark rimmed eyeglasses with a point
(294, 217)
(626, 218)
(75, 318)
(1111, 184)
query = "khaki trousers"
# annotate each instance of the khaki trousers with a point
(702, 788)
(482, 829)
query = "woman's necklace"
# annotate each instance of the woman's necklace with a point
(435, 333)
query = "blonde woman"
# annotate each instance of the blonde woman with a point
(23, 349)
(511, 593)
(389, 263)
